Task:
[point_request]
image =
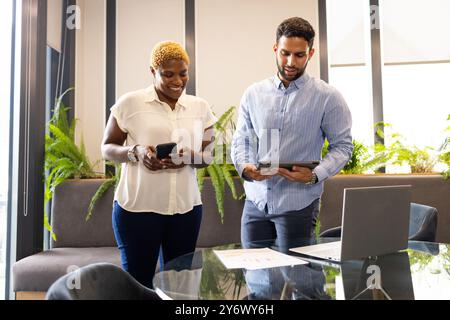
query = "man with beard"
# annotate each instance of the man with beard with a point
(285, 119)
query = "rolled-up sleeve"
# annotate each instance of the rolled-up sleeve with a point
(209, 119)
(336, 126)
(118, 113)
(243, 146)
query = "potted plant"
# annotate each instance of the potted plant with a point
(63, 158)
(366, 160)
(221, 172)
(363, 159)
(444, 153)
(420, 160)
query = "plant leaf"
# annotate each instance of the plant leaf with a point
(104, 187)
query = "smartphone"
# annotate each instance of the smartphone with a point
(164, 150)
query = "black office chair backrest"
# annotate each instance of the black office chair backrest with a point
(99, 281)
(422, 224)
(331, 233)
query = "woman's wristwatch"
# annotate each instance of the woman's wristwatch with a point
(132, 154)
(314, 179)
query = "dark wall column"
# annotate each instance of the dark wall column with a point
(110, 55)
(377, 73)
(9, 232)
(323, 45)
(30, 193)
(67, 62)
(190, 45)
(111, 31)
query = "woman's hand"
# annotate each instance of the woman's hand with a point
(147, 154)
(184, 157)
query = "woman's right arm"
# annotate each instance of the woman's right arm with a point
(113, 140)
(114, 150)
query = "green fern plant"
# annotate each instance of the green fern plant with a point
(216, 281)
(420, 160)
(63, 158)
(221, 170)
(363, 158)
(444, 153)
(104, 187)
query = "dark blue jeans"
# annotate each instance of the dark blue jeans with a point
(140, 236)
(284, 228)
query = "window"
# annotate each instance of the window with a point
(350, 63)
(415, 64)
(416, 99)
(6, 13)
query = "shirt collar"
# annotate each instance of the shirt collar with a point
(151, 96)
(297, 83)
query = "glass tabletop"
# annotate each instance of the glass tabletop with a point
(421, 272)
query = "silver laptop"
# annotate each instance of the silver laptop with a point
(375, 221)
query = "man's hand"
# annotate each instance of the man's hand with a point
(251, 172)
(298, 174)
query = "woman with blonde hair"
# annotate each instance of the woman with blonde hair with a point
(157, 202)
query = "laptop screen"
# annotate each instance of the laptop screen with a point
(375, 221)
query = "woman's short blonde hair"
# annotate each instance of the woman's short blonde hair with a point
(167, 50)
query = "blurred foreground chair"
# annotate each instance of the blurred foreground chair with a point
(99, 281)
(422, 224)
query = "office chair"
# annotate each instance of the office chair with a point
(422, 224)
(99, 281)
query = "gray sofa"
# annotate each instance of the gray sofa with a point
(80, 243)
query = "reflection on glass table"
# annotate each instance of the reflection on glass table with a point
(421, 272)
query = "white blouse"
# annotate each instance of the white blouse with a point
(148, 121)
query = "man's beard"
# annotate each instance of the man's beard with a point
(300, 72)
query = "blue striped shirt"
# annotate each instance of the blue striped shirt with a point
(291, 124)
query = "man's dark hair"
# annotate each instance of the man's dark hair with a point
(296, 27)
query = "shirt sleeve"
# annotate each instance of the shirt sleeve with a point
(244, 144)
(336, 125)
(209, 118)
(117, 111)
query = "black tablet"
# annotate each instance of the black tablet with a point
(288, 165)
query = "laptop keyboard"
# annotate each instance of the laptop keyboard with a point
(331, 250)
(334, 254)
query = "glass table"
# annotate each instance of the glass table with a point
(420, 272)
